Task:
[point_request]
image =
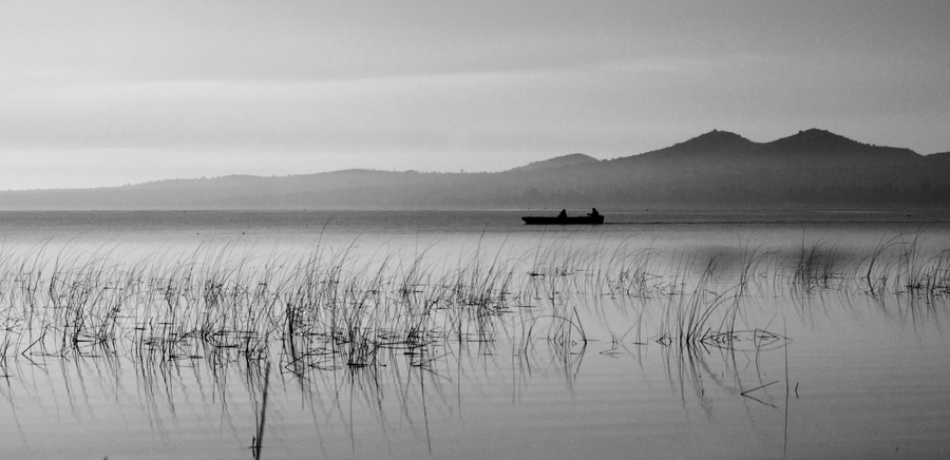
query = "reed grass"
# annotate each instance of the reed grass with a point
(327, 308)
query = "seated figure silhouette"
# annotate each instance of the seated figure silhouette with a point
(563, 214)
(594, 213)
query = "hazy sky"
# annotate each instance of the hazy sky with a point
(108, 93)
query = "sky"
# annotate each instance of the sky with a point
(106, 93)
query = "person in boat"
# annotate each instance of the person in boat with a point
(594, 213)
(563, 214)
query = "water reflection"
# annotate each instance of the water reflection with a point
(224, 387)
(222, 355)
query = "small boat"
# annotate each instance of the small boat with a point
(577, 220)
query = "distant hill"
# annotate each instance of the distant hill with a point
(938, 157)
(813, 168)
(714, 144)
(824, 147)
(574, 159)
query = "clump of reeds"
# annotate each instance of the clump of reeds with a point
(688, 318)
(816, 268)
(328, 309)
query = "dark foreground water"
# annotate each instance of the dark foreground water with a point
(469, 335)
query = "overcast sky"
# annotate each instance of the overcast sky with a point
(109, 93)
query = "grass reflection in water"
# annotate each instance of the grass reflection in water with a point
(391, 333)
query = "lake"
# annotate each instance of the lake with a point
(359, 334)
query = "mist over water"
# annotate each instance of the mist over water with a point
(469, 335)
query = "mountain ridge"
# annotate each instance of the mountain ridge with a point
(717, 168)
(813, 142)
(573, 159)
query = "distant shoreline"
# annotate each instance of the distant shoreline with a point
(613, 217)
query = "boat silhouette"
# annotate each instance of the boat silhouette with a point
(594, 218)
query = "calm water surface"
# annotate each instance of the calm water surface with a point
(811, 338)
